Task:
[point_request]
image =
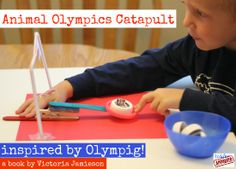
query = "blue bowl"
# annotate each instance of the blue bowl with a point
(215, 126)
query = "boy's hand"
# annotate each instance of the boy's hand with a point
(60, 92)
(27, 109)
(161, 99)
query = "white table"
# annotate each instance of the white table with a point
(15, 83)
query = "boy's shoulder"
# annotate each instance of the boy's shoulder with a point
(179, 45)
(184, 41)
(182, 45)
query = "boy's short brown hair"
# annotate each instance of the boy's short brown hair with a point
(229, 5)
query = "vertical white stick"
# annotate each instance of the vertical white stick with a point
(36, 100)
(42, 56)
(38, 53)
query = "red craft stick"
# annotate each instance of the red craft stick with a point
(58, 118)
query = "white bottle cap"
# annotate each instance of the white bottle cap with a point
(194, 129)
(121, 106)
(179, 126)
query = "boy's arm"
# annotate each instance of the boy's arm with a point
(217, 103)
(153, 69)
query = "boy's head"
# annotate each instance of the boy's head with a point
(211, 23)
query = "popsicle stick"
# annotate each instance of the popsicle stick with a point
(76, 106)
(21, 118)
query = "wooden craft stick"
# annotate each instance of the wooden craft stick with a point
(58, 118)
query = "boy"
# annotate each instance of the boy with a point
(208, 54)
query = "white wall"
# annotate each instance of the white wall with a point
(168, 35)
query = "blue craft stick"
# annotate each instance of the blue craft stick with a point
(77, 106)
